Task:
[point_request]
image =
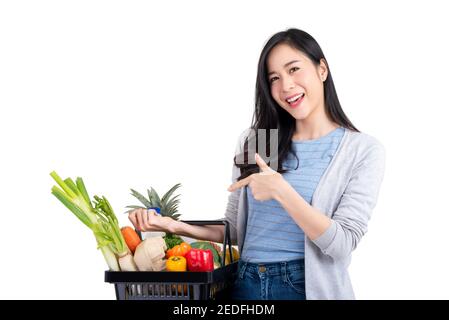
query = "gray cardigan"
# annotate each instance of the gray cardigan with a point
(347, 193)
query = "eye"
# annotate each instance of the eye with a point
(294, 69)
(273, 79)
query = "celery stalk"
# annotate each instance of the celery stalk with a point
(58, 193)
(110, 258)
(104, 210)
(75, 197)
(63, 185)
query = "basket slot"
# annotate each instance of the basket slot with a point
(160, 291)
(132, 290)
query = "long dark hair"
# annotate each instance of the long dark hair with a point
(269, 115)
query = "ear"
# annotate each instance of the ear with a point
(322, 70)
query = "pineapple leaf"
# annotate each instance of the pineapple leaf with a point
(173, 199)
(141, 198)
(171, 211)
(167, 195)
(135, 207)
(172, 202)
(154, 198)
(131, 210)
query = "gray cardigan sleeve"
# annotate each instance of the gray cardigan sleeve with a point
(350, 219)
(233, 199)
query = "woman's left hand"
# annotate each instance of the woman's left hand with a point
(264, 185)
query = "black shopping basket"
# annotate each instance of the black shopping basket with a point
(164, 285)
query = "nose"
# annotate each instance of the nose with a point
(287, 84)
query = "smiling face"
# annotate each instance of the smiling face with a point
(296, 82)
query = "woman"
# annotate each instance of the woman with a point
(296, 222)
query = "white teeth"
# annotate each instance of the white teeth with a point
(295, 98)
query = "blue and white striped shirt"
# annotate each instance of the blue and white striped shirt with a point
(271, 234)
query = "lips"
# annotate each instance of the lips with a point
(295, 100)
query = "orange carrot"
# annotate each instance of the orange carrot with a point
(131, 238)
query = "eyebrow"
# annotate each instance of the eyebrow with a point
(285, 65)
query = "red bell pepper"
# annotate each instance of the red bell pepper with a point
(200, 260)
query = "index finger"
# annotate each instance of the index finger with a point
(239, 184)
(265, 169)
(132, 218)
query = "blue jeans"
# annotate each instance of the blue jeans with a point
(270, 281)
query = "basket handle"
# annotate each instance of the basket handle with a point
(226, 239)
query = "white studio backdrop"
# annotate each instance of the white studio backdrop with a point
(145, 94)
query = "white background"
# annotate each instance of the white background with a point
(139, 94)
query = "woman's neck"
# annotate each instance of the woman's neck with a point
(309, 130)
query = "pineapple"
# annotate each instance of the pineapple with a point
(168, 207)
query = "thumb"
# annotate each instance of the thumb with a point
(262, 164)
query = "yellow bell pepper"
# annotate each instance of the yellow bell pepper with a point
(235, 255)
(176, 263)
